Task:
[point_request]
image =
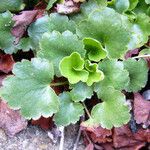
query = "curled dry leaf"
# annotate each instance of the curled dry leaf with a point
(124, 139)
(130, 53)
(141, 110)
(68, 7)
(6, 63)
(21, 23)
(99, 134)
(11, 120)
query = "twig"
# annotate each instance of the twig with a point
(61, 146)
(86, 110)
(59, 83)
(141, 56)
(77, 140)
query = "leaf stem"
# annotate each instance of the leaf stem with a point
(86, 110)
(141, 56)
(59, 83)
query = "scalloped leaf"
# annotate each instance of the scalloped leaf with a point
(50, 23)
(106, 26)
(72, 67)
(115, 75)
(112, 112)
(12, 5)
(54, 46)
(145, 51)
(69, 112)
(81, 91)
(29, 90)
(147, 1)
(95, 75)
(6, 38)
(95, 51)
(138, 73)
(86, 8)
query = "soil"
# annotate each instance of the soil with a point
(34, 138)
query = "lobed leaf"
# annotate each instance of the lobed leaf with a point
(95, 51)
(80, 92)
(69, 112)
(72, 67)
(112, 112)
(54, 46)
(105, 25)
(29, 90)
(138, 74)
(115, 75)
(95, 75)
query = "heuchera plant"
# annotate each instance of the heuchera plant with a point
(88, 49)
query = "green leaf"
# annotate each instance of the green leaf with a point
(12, 5)
(50, 4)
(49, 23)
(29, 90)
(54, 46)
(95, 75)
(112, 112)
(95, 51)
(145, 51)
(147, 1)
(25, 44)
(69, 112)
(115, 75)
(6, 38)
(72, 67)
(133, 4)
(106, 26)
(122, 5)
(138, 73)
(86, 8)
(80, 92)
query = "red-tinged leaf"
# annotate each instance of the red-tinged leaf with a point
(68, 7)
(90, 147)
(11, 120)
(124, 138)
(141, 110)
(21, 23)
(130, 53)
(6, 63)
(107, 146)
(44, 123)
(99, 134)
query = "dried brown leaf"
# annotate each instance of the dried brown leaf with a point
(10, 120)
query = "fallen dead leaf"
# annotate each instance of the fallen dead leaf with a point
(130, 53)
(141, 110)
(21, 23)
(6, 63)
(10, 120)
(68, 7)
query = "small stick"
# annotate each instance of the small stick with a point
(61, 129)
(77, 140)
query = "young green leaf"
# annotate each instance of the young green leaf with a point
(106, 26)
(29, 90)
(112, 112)
(138, 73)
(12, 5)
(6, 38)
(69, 112)
(95, 51)
(72, 67)
(115, 75)
(54, 46)
(95, 75)
(80, 92)
(145, 51)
